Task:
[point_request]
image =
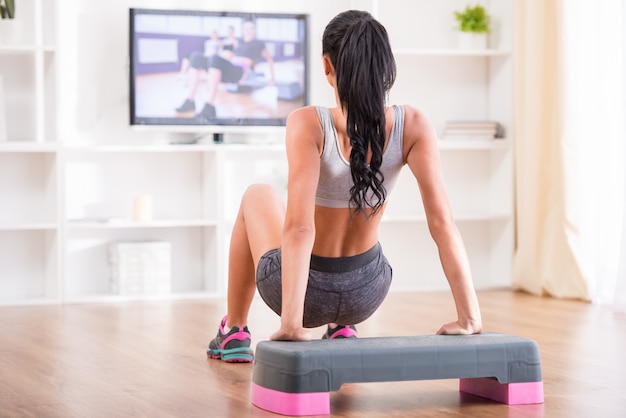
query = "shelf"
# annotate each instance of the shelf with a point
(209, 129)
(167, 148)
(452, 52)
(129, 224)
(469, 144)
(140, 148)
(27, 146)
(111, 298)
(17, 49)
(29, 226)
(25, 49)
(474, 144)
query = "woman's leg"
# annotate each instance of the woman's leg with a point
(213, 80)
(220, 70)
(198, 63)
(184, 66)
(258, 229)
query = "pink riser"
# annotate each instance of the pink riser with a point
(316, 403)
(508, 393)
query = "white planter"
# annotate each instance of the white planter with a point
(470, 40)
(11, 31)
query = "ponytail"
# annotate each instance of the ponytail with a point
(358, 47)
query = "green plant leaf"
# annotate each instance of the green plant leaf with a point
(473, 19)
(7, 9)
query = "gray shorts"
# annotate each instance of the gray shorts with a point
(344, 290)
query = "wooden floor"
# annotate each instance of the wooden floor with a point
(148, 360)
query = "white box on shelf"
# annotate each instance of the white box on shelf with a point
(139, 268)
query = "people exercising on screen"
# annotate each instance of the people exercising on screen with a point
(317, 261)
(225, 68)
(212, 46)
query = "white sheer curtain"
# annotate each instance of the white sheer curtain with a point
(546, 258)
(594, 75)
(571, 149)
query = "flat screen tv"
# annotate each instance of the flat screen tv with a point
(216, 69)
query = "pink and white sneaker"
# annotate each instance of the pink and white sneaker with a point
(233, 346)
(340, 331)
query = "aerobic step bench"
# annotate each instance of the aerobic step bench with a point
(296, 378)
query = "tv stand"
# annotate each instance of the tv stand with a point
(218, 138)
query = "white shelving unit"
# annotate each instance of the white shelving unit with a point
(30, 242)
(195, 189)
(448, 83)
(72, 166)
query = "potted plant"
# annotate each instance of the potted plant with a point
(7, 9)
(474, 23)
(10, 27)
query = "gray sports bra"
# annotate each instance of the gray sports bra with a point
(333, 190)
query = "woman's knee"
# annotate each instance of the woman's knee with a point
(260, 191)
(262, 198)
(262, 212)
(198, 61)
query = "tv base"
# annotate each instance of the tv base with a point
(218, 138)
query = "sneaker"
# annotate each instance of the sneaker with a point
(187, 106)
(207, 113)
(340, 331)
(232, 347)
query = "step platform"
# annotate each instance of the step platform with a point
(296, 378)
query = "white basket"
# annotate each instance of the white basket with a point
(140, 267)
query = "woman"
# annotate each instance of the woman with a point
(318, 261)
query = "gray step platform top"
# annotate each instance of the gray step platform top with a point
(324, 365)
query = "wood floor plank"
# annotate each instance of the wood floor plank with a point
(147, 359)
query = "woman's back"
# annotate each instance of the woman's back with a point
(341, 231)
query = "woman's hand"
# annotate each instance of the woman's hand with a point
(455, 328)
(298, 334)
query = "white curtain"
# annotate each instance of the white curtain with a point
(546, 258)
(594, 112)
(571, 151)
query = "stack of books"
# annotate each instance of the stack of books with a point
(472, 129)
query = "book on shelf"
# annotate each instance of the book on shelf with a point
(469, 129)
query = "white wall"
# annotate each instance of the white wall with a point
(93, 53)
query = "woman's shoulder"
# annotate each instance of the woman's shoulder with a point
(303, 115)
(417, 127)
(413, 117)
(304, 122)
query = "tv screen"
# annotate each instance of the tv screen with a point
(216, 68)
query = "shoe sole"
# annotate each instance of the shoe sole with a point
(234, 355)
(342, 333)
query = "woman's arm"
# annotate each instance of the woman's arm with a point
(303, 142)
(422, 156)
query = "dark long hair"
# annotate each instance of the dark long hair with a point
(358, 47)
